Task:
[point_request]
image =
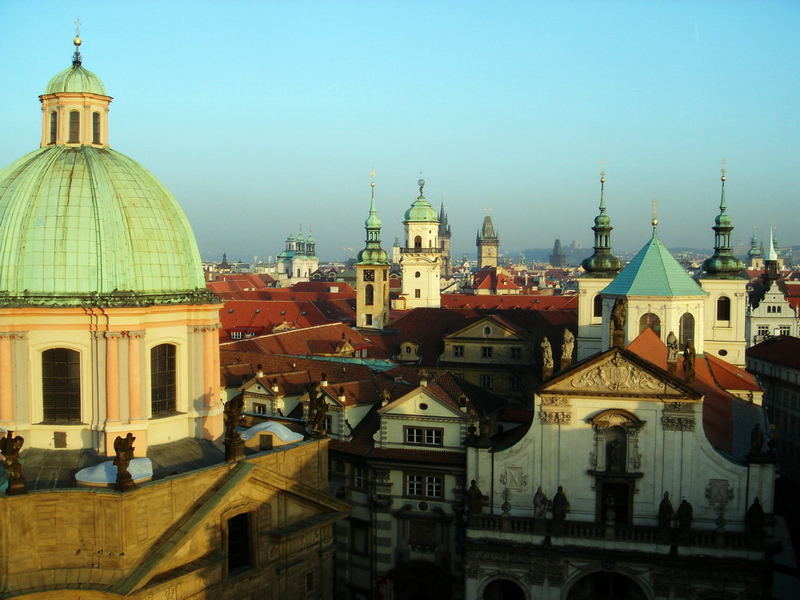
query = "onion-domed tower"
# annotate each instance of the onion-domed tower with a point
(372, 275)
(601, 267)
(106, 325)
(726, 284)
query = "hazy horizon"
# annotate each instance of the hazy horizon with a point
(262, 118)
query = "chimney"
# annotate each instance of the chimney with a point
(342, 396)
(259, 371)
(324, 382)
(423, 382)
(275, 387)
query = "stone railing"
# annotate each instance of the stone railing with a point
(641, 534)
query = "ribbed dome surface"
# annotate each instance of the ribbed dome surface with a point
(78, 222)
(421, 210)
(76, 79)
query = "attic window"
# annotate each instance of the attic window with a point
(423, 406)
(487, 330)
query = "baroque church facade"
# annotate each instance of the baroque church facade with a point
(644, 473)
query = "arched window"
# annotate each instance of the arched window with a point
(687, 329)
(96, 128)
(53, 127)
(597, 306)
(369, 295)
(162, 379)
(723, 308)
(418, 242)
(61, 385)
(74, 127)
(652, 321)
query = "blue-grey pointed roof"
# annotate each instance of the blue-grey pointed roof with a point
(654, 272)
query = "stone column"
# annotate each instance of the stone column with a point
(112, 376)
(134, 376)
(6, 388)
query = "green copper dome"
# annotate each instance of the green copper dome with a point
(421, 210)
(90, 226)
(76, 79)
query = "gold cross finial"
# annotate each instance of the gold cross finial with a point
(654, 211)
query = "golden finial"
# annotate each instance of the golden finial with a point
(372, 176)
(724, 169)
(654, 212)
(77, 39)
(602, 171)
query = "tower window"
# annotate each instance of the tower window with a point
(687, 329)
(597, 306)
(96, 128)
(418, 241)
(651, 321)
(74, 127)
(724, 309)
(61, 385)
(239, 558)
(369, 295)
(162, 379)
(53, 127)
(417, 293)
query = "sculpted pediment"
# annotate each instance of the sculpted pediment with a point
(615, 374)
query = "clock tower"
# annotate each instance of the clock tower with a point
(421, 259)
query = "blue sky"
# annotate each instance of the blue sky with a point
(262, 117)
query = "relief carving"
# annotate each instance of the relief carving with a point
(678, 422)
(514, 478)
(555, 417)
(616, 375)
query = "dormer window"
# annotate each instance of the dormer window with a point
(74, 127)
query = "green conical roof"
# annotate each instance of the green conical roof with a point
(78, 222)
(653, 272)
(76, 79)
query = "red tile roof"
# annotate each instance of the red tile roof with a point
(782, 350)
(320, 340)
(714, 378)
(257, 317)
(538, 302)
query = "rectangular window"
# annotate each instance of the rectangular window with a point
(424, 486)
(368, 319)
(359, 478)
(239, 558)
(516, 353)
(359, 537)
(486, 381)
(486, 352)
(309, 582)
(236, 335)
(783, 330)
(259, 409)
(763, 330)
(515, 383)
(329, 423)
(424, 436)
(458, 351)
(417, 293)
(74, 127)
(61, 385)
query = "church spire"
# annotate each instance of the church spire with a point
(723, 264)
(602, 263)
(372, 252)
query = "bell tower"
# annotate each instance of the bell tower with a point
(722, 278)
(421, 258)
(372, 274)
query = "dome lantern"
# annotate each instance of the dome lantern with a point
(75, 106)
